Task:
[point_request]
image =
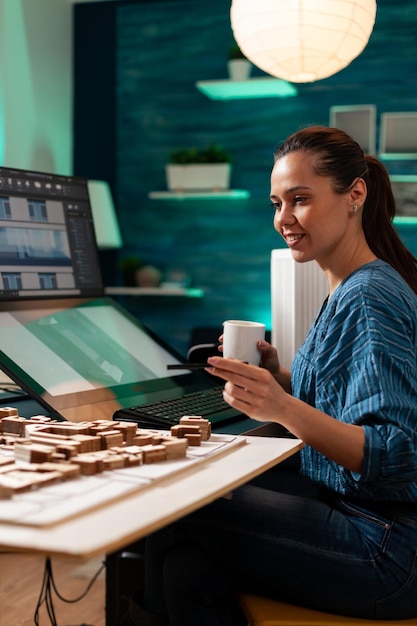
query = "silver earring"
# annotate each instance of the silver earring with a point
(355, 208)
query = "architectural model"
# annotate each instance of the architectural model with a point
(39, 451)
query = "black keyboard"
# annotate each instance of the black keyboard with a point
(165, 413)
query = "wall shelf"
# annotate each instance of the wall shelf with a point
(226, 194)
(397, 156)
(403, 178)
(244, 89)
(405, 220)
(155, 291)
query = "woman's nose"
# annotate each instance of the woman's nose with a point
(284, 216)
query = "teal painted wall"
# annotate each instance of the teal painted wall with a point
(160, 50)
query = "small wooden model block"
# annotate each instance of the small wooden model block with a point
(143, 438)
(32, 452)
(154, 454)
(22, 479)
(13, 424)
(175, 448)
(6, 411)
(128, 430)
(196, 420)
(191, 433)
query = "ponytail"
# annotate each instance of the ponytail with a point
(377, 222)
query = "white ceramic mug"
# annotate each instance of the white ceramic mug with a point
(240, 339)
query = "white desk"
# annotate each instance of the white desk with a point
(121, 522)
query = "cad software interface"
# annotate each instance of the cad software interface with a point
(47, 241)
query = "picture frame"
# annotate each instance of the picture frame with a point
(358, 121)
(404, 188)
(398, 135)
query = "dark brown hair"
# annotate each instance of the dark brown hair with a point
(341, 158)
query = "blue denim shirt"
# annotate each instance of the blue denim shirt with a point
(359, 365)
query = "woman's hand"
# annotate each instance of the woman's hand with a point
(250, 389)
(253, 390)
(269, 360)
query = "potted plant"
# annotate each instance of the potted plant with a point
(129, 265)
(191, 169)
(239, 66)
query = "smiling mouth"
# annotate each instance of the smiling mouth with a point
(293, 238)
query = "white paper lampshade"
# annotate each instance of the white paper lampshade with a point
(302, 40)
(106, 226)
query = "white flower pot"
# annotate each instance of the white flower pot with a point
(239, 69)
(198, 176)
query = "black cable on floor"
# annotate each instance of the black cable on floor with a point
(45, 596)
(49, 586)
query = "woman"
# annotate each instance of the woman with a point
(349, 544)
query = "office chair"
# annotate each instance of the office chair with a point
(261, 611)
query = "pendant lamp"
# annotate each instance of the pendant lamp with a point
(302, 40)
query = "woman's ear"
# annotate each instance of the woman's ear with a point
(358, 193)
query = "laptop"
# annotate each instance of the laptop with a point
(72, 348)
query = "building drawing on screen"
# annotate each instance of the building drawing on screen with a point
(34, 246)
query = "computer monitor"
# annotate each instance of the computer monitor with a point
(47, 240)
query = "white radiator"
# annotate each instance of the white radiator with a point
(297, 293)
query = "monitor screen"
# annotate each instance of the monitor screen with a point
(74, 352)
(47, 240)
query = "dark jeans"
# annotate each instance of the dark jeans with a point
(310, 548)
